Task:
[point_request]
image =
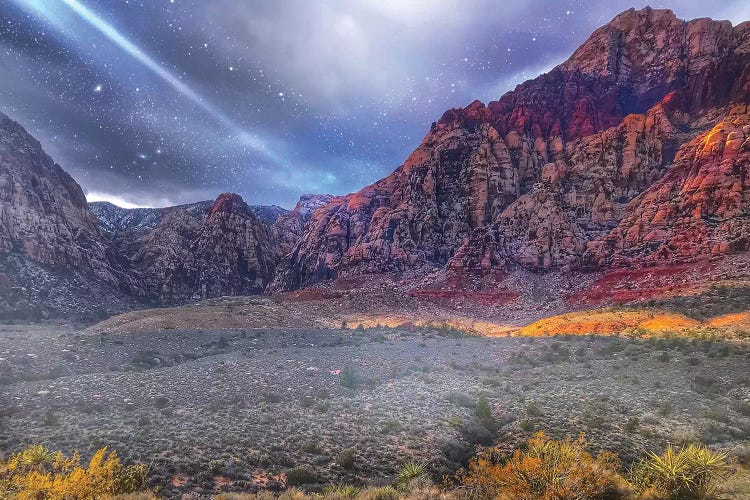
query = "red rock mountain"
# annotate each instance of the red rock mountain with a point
(634, 152)
(289, 226)
(600, 162)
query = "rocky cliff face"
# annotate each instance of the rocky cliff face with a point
(699, 208)
(288, 227)
(229, 251)
(114, 220)
(57, 259)
(52, 254)
(533, 179)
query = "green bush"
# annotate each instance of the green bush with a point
(347, 458)
(300, 476)
(483, 412)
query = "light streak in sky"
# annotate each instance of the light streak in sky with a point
(42, 8)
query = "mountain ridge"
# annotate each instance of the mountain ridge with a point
(631, 153)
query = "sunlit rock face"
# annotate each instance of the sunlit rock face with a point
(700, 207)
(542, 177)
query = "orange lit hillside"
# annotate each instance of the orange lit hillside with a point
(736, 320)
(608, 322)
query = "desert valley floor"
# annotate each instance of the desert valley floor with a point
(229, 409)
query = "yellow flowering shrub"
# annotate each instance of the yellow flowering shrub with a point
(38, 474)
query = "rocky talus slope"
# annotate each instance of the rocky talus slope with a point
(548, 176)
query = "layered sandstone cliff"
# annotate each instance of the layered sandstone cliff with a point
(531, 180)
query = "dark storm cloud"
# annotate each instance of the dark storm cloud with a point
(269, 98)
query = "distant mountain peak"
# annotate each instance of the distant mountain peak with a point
(230, 203)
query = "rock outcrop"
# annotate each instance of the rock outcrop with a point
(288, 227)
(699, 208)
(53, 258)
(229, 251)
(531, 180)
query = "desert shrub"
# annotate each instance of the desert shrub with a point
(307, 401)
(546, 470)
(215, 466)
(455, 422)
(665, 408)
(391, 426)
(410, 471)
(664, 357)
(595, 416)
(300, 476)
(147, 359)
(693, 361)
(347, 458)
(476, 433)
(271, 397)
(532, 410)
(461, 399)
(350, 378)
(691, 472)
(37, 473)
(161, 402)
(632, 425)
(705, 384)
(742, 407)
(742, 455)
(50, 419)
(312, 447)
(483, 411)
(527, 425)
(446, 330)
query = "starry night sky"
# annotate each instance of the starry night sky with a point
(159, 102)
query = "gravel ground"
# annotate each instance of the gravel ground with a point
(239, 409)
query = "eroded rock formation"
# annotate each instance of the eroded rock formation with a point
(531, 180)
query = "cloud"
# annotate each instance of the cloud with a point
(93, 196)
